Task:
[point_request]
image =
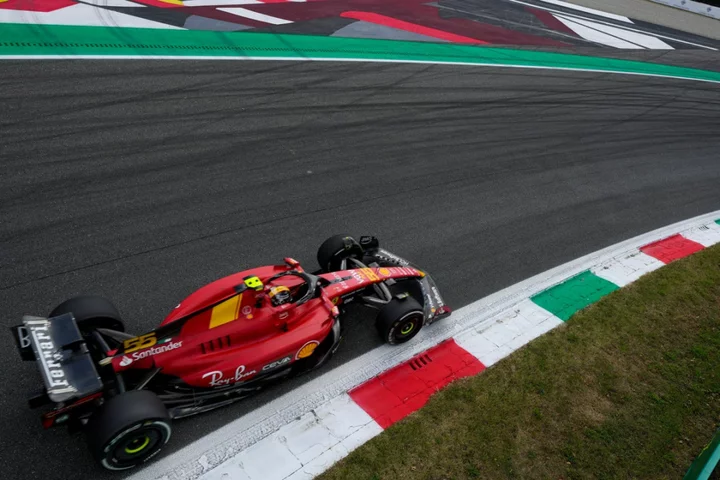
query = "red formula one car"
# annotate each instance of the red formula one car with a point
(222, 343)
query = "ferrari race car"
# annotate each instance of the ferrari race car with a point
(224, 342)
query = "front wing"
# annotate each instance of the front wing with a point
(434, 306)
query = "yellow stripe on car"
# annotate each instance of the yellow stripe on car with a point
(226, 311)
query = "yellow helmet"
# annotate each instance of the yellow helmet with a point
(280, 295)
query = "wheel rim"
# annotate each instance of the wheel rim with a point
(408, 326)
(136, 446)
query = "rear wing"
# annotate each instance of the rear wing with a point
(61, 353)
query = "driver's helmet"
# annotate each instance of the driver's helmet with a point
(280, 295)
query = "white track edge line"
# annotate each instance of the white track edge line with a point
(369, 60)
(217, 447)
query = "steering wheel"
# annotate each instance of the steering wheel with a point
(310, 280)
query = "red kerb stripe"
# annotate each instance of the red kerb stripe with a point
(405, 388)
(671, 248)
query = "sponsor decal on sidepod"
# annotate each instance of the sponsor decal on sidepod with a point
(216, 376)
(307, 349)
(277, 363)
(149, 352)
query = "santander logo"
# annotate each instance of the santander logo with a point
(125, 361)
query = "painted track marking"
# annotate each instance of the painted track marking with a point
(252, 15)
(599, 13)
(666, 37)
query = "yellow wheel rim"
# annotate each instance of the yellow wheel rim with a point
(140, 444)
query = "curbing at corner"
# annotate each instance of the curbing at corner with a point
(303, 433)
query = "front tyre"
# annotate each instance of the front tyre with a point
(400, 320)
(335, 249)
(128, 429)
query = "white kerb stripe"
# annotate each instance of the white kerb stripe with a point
(647, 41)
(627, 268)
(587, 10)
(594, 35)
(508, 331)
(305, 447)
(706, 235)
(260, 17)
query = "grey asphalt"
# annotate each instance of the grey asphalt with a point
(144, 180)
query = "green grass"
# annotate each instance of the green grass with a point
(628, 388)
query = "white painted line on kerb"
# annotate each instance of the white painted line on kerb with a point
(639, 39)
(260, 17)
(340, 59)
(587, 10)
(705, 235)
(552, 10)
(509, 331)
(226, 444)
(305, 447)
(627, 268)
(594, 35)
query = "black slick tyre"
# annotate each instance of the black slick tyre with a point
(336, 249)
(128, 430)
(400, 320)
(91, 312)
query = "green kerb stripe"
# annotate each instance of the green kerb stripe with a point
(705, 463)
(578, 292)
(60, 40)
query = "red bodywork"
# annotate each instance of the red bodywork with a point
(226, 337)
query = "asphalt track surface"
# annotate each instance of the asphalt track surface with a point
(144, 180)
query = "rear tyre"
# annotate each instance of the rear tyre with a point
(128, 430)
(400, 320)
(336, 249)
(91, 312)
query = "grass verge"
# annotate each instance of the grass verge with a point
(628, 388)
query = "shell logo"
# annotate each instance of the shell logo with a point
(307, 349)
(384, 272)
